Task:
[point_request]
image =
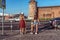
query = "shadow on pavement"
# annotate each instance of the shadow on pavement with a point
(45, 28)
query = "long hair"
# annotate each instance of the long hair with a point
(21, 16)
(35, 17)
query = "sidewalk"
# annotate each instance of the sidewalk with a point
(43, 35)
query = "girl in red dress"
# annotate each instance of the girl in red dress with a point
(22, 24)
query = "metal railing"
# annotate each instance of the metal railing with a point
(9, 24)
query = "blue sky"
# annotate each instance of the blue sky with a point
(16, 6)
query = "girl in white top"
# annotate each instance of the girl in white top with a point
(34, 23)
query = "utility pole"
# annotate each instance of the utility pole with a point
(3, 6)
(3, 21)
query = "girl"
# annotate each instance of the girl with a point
(34, 23)
(22, 24)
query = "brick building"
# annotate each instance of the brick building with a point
(43, 12)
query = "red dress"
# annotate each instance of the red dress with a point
(22, 24)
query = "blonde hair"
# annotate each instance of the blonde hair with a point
(21, 16)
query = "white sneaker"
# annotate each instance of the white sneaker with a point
(31, 33)
(36, 33)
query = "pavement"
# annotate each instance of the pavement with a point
(42, 35)
(45, 33)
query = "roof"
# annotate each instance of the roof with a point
(48, 6)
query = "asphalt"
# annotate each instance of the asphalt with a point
(42, 35)
(45, 33)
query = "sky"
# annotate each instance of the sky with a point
(17, 6)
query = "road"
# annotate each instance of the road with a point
(15, 25)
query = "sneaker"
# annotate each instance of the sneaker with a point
(31, 33)
(36, 33)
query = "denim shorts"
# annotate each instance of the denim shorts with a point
(35, 23)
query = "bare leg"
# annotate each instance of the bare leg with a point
(22, 30)
(37, 28)
(32, 27)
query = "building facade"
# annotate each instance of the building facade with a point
(43, 12)
(32, 9)
(6, 16)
